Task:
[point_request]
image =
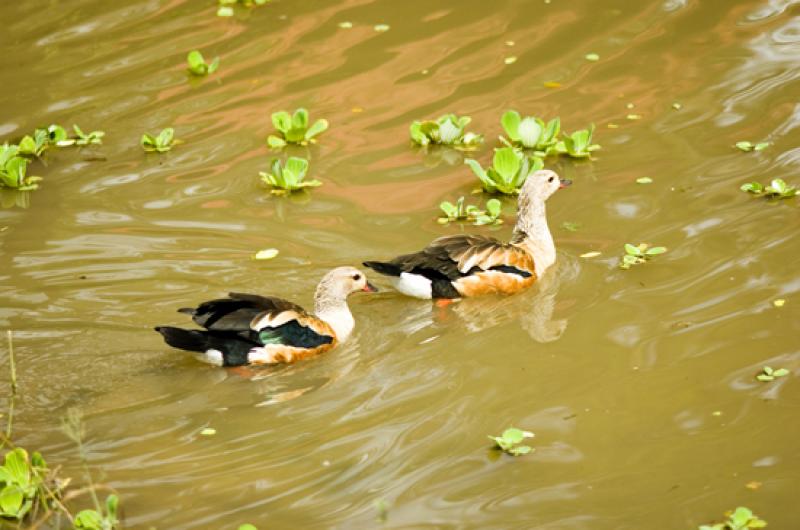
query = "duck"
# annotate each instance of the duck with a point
(467, 265)
(249, 329)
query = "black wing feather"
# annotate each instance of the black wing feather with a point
(236, 312)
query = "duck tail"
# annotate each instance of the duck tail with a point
(381, 267)
(184, 339)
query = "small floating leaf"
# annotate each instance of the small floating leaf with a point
(345, 25)
(644, 180)
(634, 116)
(677, 106)
(744, 146)
(552, 84)
(225, 11)
(267, 253)
(510, 60)
(208, 431)
(591, 254)
(380, 28)
(779, 302)
(761, 146)
(592, 57)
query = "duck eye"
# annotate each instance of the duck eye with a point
(550, 179)
(356, 277)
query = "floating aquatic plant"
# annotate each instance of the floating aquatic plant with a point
(530, 132)
(748, 146)
(103, 519)
(225, 8)
(542, 137)
(508, 171)
(471, 213)
(578, 144)
(509, 442)
(446, 130)
(740, 519)
(13, 169)
(770, 374)
(81, 138)
(23, 483)
(198, 66)
(289, 177)
(635, 255)
(777, 189)
(294, 129)
(162, 143)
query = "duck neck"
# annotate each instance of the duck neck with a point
(532, 234)
(334, 311)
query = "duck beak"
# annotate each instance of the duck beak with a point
(369, 288)
(564, 183)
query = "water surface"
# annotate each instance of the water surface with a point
(638, 384)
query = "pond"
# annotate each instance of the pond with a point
(639, 384)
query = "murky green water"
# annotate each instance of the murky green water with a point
(639, 385)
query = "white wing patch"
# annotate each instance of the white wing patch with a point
(213, 356)
(413, 285)
(264, 320)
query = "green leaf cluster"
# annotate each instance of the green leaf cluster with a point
(289, 177)
(445, 130)
(509, 442)
(14, 168)
(14, 159)
(225, 8)
(741, 519)
(777, 189)
(103, 520)
(21, 483)
(162, 143)
(770, 374)
(748, 146)
(198, 66)
(294, 129)
(508, 172)
(542, 137)
(634, 255)
(80, 139)
(471, 213)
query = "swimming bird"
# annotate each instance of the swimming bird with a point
(465, 265)
(251, 329)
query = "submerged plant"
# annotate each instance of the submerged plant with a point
(459, 212)
(446, 130)
(634, 255)
(198, 66)
(777, 189)
(578, 144)
(161, 143)
(508, 171)
(509, 442)
(294, 129)
(770, 374)
(290, 177)
(13, 169)
(530, 132)
(740, 519)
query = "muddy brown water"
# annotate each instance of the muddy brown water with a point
(638, 384)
